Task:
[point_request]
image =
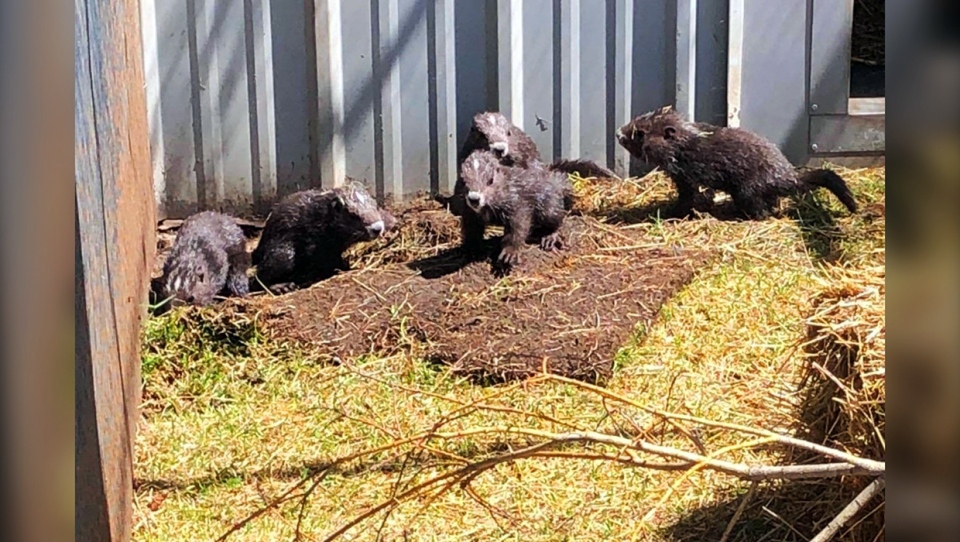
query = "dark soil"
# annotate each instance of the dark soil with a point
(568, 311)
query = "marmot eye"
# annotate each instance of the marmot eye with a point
(639, 134)
(489, 181)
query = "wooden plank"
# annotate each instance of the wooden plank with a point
(867, 106)
(114, 250)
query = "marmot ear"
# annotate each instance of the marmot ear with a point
(669, 132)
(338, 203)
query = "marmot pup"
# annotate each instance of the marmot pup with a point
(494, 132)
(208, 258)
(748, 167)
(307, 232)
(530, 203)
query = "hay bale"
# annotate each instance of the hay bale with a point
(844, 382)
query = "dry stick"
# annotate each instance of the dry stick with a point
(850, 510)
(763, 472)
(631, 461)
(699, 466)
(868, 465)
(739, 512)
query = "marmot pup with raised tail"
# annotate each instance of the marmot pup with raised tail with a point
(493, 131)
(751, 169)
(307, 233)
(208, 258)
(530, 203)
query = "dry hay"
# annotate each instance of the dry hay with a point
(567, 311)
(844, 385)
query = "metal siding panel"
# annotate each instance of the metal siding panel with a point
(476, 62)
(175, 130)
(360, 90)
(151, 69)
(570, 70)
(444, 97)
(388, 71)
(840, 134)
(294, 102)
(711, 81)
(654, 61)
(686, 57)
(593, 77)
(620, 111)
(330, 128)
(263, 100)
(774, 75)
(234, 106)
(510, 61)
(831, 32)
(414, 103)
(538, 74)
(385, 90)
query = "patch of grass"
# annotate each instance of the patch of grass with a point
(217, 444)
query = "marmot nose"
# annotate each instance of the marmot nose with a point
(473, 198)
(376, 228)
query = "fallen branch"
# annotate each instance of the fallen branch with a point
(850, 510)
(636, 452)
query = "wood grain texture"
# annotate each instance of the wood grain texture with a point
(114, 248)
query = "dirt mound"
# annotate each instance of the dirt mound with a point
(568, 311)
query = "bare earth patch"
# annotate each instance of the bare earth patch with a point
(567, 311)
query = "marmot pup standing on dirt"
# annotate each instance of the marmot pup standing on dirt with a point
(530, 203)
(748, 167)
(209, 257)
(307, 232)
(494, 132)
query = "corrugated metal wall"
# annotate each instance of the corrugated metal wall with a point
(251, 99)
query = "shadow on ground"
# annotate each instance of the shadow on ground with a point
(795, 511)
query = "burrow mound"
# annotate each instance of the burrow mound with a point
(567, 311)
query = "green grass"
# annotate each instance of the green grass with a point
(232, 420)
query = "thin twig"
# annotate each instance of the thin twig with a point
(736, 515)
(850, 510)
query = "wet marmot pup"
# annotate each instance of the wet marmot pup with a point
(307, 232)
(208, 258)
(751, 169)
(530, 203)
(494, 132)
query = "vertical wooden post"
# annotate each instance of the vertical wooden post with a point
(115, 245)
